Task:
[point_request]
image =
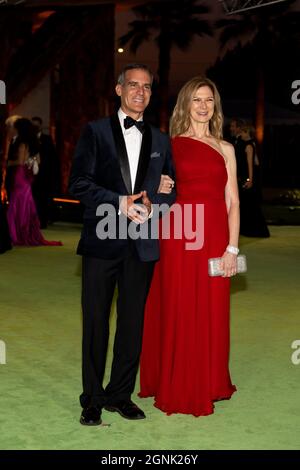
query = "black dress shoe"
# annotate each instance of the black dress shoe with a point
(127, 409)
(91, 416)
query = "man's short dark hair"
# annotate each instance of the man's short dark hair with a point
(239, 122)
(37, 118)
(134, 66)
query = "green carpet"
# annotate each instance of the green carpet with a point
(40, 323)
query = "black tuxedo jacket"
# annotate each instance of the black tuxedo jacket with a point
(241, 159)
(47, 179)
(100, 174)
(11, 170)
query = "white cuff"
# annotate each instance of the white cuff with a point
(151, 213)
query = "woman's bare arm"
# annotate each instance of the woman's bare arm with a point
(23, 154)
(249, 154)
(233, 208)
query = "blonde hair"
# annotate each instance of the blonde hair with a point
(248, 127)
(180, 121)
(10, 121)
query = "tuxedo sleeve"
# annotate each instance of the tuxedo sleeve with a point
(82, 183)
(168, 169)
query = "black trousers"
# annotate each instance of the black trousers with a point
(42, 198)
(99, 278)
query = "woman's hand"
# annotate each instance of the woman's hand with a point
(248, 184)
(229, 264)
(166, 184)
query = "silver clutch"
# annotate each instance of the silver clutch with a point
(215, 270)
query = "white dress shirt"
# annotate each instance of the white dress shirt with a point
(133, 140)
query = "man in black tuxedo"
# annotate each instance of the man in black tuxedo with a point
(46, 182)
(12, 152)
(118, 161)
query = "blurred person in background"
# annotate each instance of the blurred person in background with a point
(23, 221)
(253, 223)
(46, 183)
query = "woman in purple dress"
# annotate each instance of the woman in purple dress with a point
(23, 221)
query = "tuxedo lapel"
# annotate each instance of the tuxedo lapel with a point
(121, 151)
(143, 159)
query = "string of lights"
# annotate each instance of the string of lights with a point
(239, 6)
(11, 2)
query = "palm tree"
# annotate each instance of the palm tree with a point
(263, 29)
(172, 23)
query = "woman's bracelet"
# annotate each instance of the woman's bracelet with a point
(232, 249)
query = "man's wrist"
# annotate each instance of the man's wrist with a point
(121, 205)
(151, 212)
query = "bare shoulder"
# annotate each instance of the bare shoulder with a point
(226, 147)
(228, 151)
(23, 148)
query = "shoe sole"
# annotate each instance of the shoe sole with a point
(95, 423)
(116, 410)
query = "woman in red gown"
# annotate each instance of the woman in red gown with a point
(184, 362)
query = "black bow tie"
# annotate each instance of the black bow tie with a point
(129, 122)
